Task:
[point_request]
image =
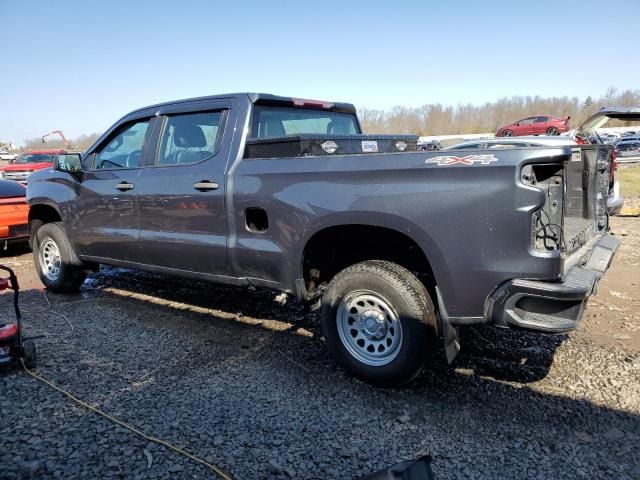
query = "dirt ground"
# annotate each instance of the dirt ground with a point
(613, 315)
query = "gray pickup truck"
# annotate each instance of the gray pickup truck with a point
(399, 248)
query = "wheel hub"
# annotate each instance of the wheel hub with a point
(369, 328)
(373, 324)
(50, 260)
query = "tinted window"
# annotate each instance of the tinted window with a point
(542, 119)
(190, 138)
(278, 122)
(124, 149)
(526, 121)
(35, 158)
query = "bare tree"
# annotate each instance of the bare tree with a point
(80, 143)
(438, 119)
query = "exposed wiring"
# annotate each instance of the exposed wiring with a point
(149, 438)
(557, 237)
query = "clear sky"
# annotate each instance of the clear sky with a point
(79, 65)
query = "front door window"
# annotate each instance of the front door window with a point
(123, 150)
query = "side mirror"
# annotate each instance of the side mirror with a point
(68, 162)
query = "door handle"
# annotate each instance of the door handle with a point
(206, 185)
(124, 186)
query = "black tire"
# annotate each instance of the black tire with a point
(553, 131)
(30, 354)
(413, 309)
(70, 276)
(507, 133)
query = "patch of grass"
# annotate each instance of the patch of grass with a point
(629, 179)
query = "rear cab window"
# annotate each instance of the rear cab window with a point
(272, 121)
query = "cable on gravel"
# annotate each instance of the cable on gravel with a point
(149, 438)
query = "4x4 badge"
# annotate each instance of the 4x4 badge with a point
(468, 160)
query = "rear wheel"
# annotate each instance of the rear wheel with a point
(507, 133)
(553, 131)
(52, 258)
(379, 322)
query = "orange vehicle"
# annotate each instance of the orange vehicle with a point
(14, 213)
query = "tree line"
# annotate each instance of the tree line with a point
(439, 119)
(79, 143)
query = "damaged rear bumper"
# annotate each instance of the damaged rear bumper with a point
(551, 307)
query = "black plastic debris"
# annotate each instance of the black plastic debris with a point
(419, 469)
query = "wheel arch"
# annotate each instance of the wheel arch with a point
(340, 243)
(41, 213)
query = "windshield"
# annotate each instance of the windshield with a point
(281, 121)
(35, 158)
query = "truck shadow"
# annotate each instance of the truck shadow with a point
(509, 355)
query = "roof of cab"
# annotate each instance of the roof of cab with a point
(261, 99)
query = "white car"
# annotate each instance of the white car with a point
(7, 156)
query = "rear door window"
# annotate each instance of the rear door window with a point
(191, 138)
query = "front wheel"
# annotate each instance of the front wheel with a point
(52, 258)
(379, 322)
(507, 133)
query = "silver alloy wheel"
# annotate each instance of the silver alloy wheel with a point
(50, 261)
(369, 328)
(508, 133)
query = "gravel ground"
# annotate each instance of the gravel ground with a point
(244, 382)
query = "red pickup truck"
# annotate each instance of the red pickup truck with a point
(29, 162)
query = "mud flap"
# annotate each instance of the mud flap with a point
(419, 469)
(449, 332)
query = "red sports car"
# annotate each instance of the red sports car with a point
(538, 125)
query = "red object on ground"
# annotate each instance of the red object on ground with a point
(8, 330)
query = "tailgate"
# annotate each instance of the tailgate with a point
(586, 180)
